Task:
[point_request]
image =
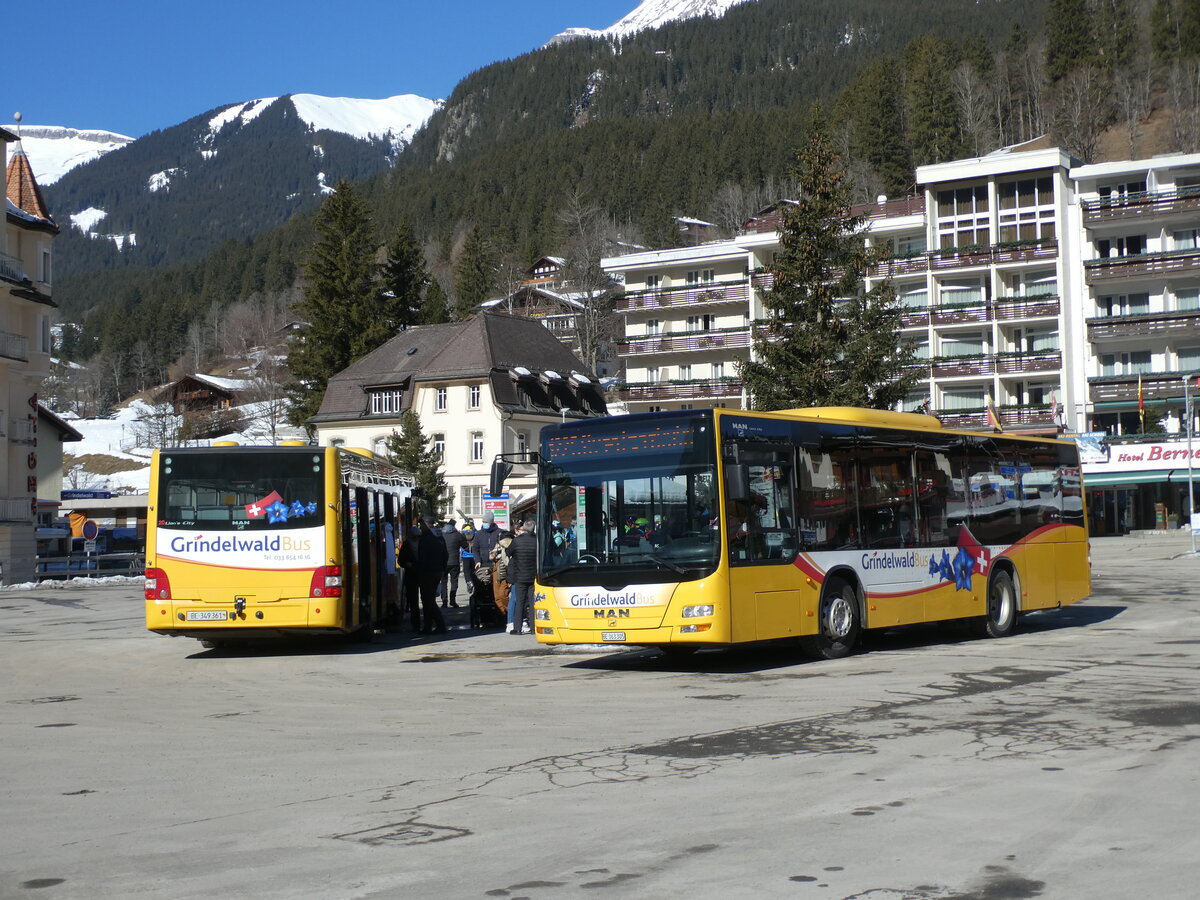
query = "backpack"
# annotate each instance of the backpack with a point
(501, 555)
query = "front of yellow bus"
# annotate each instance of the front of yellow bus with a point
(629, 539)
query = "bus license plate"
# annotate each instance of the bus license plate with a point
(612, 635)
(206, 615)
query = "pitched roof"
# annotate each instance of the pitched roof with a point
(476, 348)
(23, 190)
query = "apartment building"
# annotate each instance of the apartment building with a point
(25, 318)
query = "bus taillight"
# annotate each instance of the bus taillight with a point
(326, 582)
(158, 586)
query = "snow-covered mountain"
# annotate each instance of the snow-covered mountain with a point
(652, 14)
(53, 150)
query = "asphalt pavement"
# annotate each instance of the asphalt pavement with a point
(1060, 762)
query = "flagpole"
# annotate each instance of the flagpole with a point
(1187, 411)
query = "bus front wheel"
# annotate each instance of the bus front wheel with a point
(838, 620)
(1001, 613)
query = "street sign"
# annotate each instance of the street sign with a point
(498, 507)
(90, 530)
(89, 547)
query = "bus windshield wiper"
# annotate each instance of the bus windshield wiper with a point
(668, 563)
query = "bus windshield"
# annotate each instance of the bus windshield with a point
(241, 491)
(629, 501)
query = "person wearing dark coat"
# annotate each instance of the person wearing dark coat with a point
(431, 566)
(455, 544)
(522, 569)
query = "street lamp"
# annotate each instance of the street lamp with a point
(1187, 411)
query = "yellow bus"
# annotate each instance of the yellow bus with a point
(718, 527)
(252, 542)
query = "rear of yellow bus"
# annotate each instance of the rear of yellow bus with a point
(236, 543)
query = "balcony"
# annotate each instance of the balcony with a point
(1012, 418)
(712, 389)
(1156, 387)
(956, 313)
(963, 257)
(1008, 308)
(1184, 324)
(1000, 363)
(735, 292)
(14, 346)
(10, 269)
(683, 341)
(1141, 205)
(1174, 262)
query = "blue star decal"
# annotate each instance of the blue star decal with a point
(945, 568)
(277, 512)
(297, 510)
(964, 566)
(311, 508)
(934, 568)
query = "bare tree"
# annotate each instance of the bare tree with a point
(730, 207)
(974, 99)
(1183, 88)
(1083, 109)
(141, 364)
(157, 426)
(269, 395)
(589, 232)
(1132, 87)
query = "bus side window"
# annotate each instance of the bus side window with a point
(827, 501)
(934, 483)
(886, 496)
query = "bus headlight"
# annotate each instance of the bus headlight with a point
(695, 612)
(540, 614)
(694, 629)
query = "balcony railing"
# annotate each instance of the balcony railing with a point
(1011, 417)
(689, 296)
(1144, 203)
(1000, 363)
(962, 257)
(14, 346)
(1122, 267)
(1183, 323)
(688, 340)
(715, 388)
(1155, 386)
(10, 269)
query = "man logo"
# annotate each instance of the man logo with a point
(610, 614)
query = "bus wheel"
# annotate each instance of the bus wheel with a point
(1001, 613)
(839, 622)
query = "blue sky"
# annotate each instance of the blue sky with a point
(132, 66)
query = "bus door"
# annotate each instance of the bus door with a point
(893, 570)
(761, 537)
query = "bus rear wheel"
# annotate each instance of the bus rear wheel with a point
(838, 620)
(1001, 613)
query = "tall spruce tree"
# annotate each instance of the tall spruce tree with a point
(404, 280)
(340, 302)
(932, 110)
(435, 310)
(1070, 37)
(474, 273)
(409, 450)
(826, 342)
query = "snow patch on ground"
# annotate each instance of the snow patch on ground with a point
(87, 219)
(53, 151)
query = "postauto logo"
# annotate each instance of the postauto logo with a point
(610, 600)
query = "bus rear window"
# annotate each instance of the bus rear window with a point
(241, 492)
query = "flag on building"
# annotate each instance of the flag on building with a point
(1053, 407)
(1141, 405)
(992, 415)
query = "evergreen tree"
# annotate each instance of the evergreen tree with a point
(1070, 37)
(404, 280)
(826, 343)
(474, 273)
(875, 105)
(340, 296)
(435, 310)
(409, 450)
(932, 108)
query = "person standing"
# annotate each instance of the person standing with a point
(481, 548)
(431, 566)
(455, 542)
(522, 569)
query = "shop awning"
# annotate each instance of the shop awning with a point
(1113, 479)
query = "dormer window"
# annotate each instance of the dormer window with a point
(386, 401)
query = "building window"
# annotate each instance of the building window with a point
(913, 296)
(653, 375)
(1137, 363)
(965, 292)
(1124, 305)
(911, 245)
(653, 326)
(1026, 209)
(380, 447)
(1121, 192)
(653, 282)
(476, 446)
(386, 402)
(1112, 248)
(472, 500)
(655, 409)
(965, 344)
(338, 442)
(962, 399)
(963, 217)
(45, 267)
(685, 372)
(1188, 239)
(439, 400)
(1187, 299)
(701, 276)
(438, 445)
(718, 370)
(685, 406)
(473, 397)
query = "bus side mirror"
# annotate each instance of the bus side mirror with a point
(737, 484)
(500, 472)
